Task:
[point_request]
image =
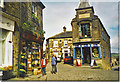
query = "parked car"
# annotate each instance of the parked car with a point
(68, 60)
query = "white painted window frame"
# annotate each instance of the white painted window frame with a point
(55, 43)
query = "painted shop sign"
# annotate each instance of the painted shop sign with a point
(31, 37)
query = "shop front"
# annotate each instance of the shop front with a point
(86, 52)
(31, 53)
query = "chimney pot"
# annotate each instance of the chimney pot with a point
(64, 29)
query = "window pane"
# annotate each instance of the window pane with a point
(85, 28)
(78, 53)
(95, 52)
(55, 43)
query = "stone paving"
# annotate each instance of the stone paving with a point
(72, 73)
(68, 72)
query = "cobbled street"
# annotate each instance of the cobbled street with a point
(69, 72)
(72, 73)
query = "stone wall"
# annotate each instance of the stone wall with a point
(25, 12)
(60, 45)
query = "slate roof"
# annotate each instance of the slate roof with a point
(67, 34)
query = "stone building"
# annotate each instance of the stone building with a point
(27, 35)
(7, 25)
(60, 44)
(90, 38)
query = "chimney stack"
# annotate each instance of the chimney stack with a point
(64, 29)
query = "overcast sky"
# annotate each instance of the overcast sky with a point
(59, 13)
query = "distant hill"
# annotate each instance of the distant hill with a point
(114, 55)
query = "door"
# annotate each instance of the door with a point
(86, 55)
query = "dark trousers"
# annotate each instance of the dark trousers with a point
(44, 70)
(53, 68)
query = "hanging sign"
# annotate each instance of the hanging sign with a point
(78, 62)
(31, 37)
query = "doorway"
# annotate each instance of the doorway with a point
(86, 55)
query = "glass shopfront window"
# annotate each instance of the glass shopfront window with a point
(95, 52)
(78, 53)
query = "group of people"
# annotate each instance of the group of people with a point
(53, 63)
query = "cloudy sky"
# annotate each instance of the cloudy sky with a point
(59, 13)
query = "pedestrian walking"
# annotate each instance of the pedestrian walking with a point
(43, 65)
(56, 64)
(53, 62)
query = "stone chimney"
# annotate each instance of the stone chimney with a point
(64, 29)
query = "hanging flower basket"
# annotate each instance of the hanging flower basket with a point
(33, 27)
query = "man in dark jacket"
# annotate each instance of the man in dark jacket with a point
(56, 64)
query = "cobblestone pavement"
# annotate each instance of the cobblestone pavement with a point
(68, 72)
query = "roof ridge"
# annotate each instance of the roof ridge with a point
(59, 34)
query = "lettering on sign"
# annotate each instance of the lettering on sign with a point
(84, 15)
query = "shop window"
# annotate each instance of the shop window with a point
(85, 30)
(103, 52)
(55, 43)
(65, 43)
(78, 53)
(34, 9)
(95, 52)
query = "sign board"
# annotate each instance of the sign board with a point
(7, 24)
(84, 15)
(92, 62)
(78, 61)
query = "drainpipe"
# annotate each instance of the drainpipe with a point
(20, 37)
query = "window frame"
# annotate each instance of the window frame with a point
(34, 9)
(54, 44)
(85, 30)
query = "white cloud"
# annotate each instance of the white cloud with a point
(114, 44)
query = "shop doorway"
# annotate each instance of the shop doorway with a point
(86, 55)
